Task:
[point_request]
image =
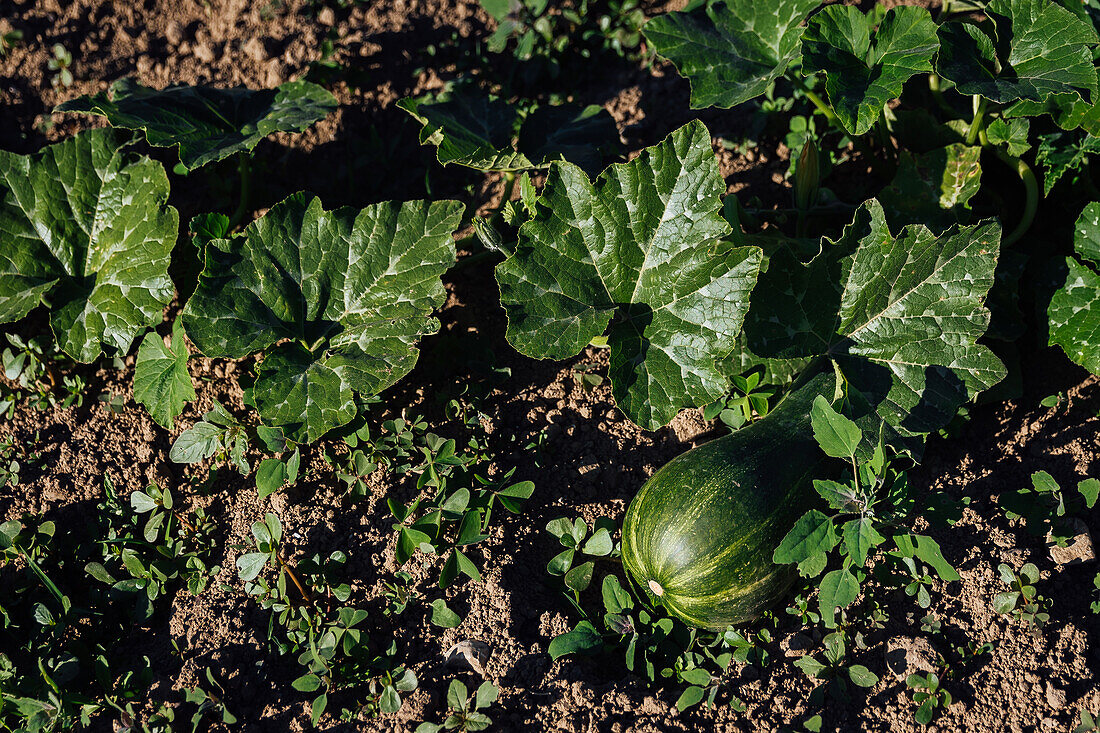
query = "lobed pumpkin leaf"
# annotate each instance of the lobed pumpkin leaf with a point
(1074, 310)
(636, 255)
(472, 128)
(864, 68)
(206, 124)
(349, 291)
(731, 51)
(86, 224)
(899, 316)
(1026, 50)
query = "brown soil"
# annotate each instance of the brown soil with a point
(1032, 681)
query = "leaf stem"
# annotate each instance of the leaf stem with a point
(1031, 200)
(822, 106)
(289, 568)
(981, 104)
(244, 169)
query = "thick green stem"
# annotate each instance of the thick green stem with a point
(976, 123)
(1031, 202)
(937, 95)
(821, 104)
(244, 168)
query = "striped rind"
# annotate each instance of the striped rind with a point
(705, 525)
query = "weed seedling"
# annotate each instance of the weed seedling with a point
(465, 713)
(1023, 602)
(61, 64)
(928, 695)
(835, 671)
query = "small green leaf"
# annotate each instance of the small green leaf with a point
(860, 536)
(1090, 490)
(142, 502)
(251, 565)
(837, 435)
(812, 534)
(457, 695)
(161, 380)
(390, 702)
(1012, 134)
(443, 616)
(197, 443)
(861, 676)
(599, 544)
(579, 577)
(691, 696)
(837, 590)
(307, 683)
(583, 638)
(486, 694)
(270, 476)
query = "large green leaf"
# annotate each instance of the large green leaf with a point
(205, 123)
(351, 292)
(730, 51)
(1028, 49)
(1074, 311)
(863, 69)
(161, 380)
(910, 317)
(900, 316)
(86, 224)
(635, 254)
(473, 128)
(933, 188)
(1068, 111)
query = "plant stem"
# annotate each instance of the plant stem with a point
(1031, 201)
(294, 577)
(979, 118)
(244, 169)
(937, 94)
(818, 102)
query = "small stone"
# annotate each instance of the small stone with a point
(1078, 550)
(204, 53)
(174, 33)
(256, 50)
(469, 654)
(798, 645)
(905, 656)
(1055, 698)
(326, 17)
